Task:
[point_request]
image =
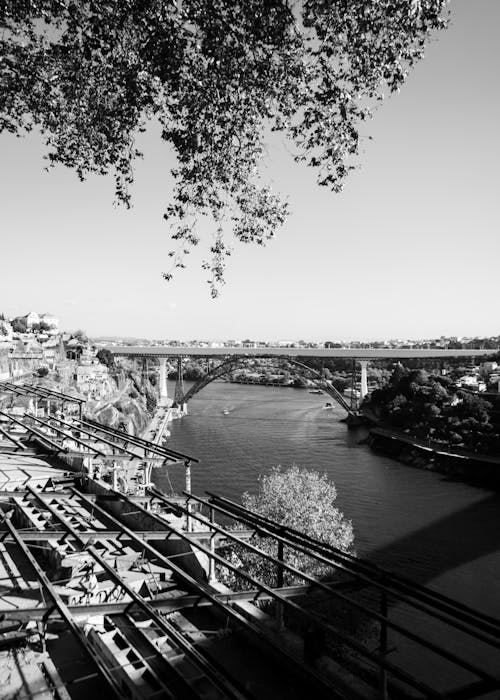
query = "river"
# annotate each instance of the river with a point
(439, 532)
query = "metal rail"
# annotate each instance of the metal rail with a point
(317, 684)
(208, 668)
(163, 605)
(418, 596)
(64, 612)
(311, 617)
(140, 442)
(16, 442)
(99, 536)
(97, 452)
(383, 619)
(113, 445)
(41, 436)
(41, 391)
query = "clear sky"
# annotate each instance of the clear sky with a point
(409, 249)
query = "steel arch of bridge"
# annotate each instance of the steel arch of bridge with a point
(234, 362)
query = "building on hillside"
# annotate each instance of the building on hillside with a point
(50, 322)
(4, 363)
(5, 331)
(31, 319)
(91, 377)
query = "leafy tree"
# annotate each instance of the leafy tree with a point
(216, 76)
(42, 371)
(80, 335)
(105, 357)
(19, 325)
(302, 499)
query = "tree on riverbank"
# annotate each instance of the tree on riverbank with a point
(299, 498)
(430, 406)
(216, 77)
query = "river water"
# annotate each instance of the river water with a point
(439, 532)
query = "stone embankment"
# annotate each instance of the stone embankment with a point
(455, 462)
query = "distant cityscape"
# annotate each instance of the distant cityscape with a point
(444, 342)
(45, 325)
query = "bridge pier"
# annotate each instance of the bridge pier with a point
(162, 388)
(364, 378)
(179, 385)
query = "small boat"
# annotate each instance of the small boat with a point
(328, 405)
(315, 391)
(225, 412)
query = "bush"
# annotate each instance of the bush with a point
(299, 498)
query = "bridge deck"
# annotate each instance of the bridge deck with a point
(339, 353)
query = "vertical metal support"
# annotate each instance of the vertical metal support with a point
(211, 563)
(90, 468)
(80, 406)
(42, 628)
(114, 472)
(179, 384)
(188, 501)
(383, 645)
(279, 584)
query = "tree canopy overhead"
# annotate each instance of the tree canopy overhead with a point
(216, 75)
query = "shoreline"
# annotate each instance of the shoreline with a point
(480, 470)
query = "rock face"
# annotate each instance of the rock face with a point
(128, 402)
(130, 407)
(129, 414)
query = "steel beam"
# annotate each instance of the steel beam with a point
(163, 605)
(64, 612)
(228, 687)
(311, 617)
(314, 583)
(421, 598)
(317, 684)
(101, 535)
(134, 439)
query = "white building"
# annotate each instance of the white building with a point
(32, 319)
(51, 323)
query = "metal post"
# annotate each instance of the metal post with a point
(354, 404)
(188, 490)
(211, 563)
(383, 645)
(279, 583)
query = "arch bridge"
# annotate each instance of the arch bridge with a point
(229, 365)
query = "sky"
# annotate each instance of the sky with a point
(409, 249)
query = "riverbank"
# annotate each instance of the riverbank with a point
(455, 462)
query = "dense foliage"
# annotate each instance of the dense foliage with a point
(299, 498)
(106, 357)
(216, 76)
(430, 406)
